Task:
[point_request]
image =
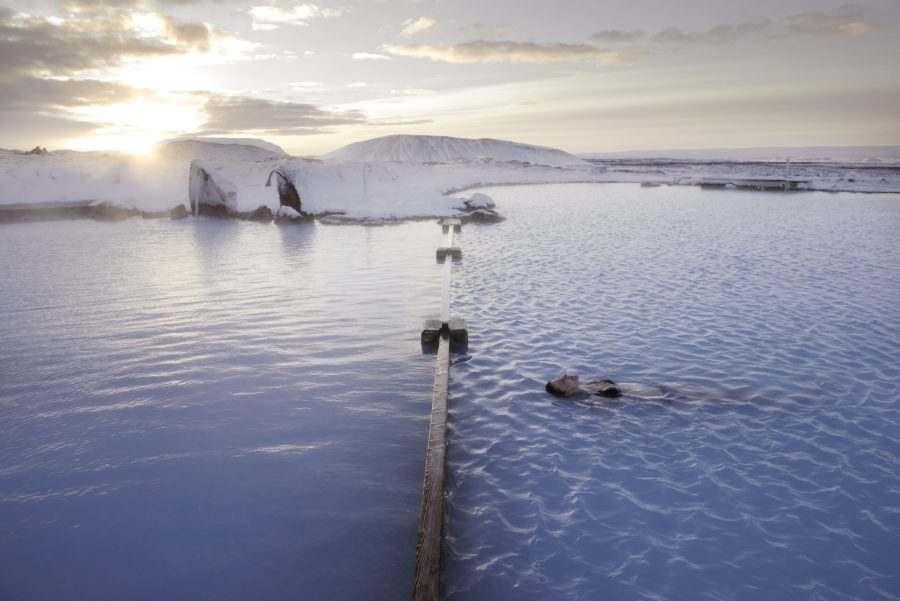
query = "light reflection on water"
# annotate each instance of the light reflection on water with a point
(236, 411)
(212, 409)
(767, 467)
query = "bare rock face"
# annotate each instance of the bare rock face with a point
(287, 192)
(263, 214)
(210, 196)
(179, 212)
(480, 216)
(109, 212)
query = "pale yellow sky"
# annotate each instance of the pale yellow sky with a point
(578, 75)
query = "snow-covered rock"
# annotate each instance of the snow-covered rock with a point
(230, 187)
(219, 149)
(480, 200)
(286, 214)
(364, 191)
(445, 149)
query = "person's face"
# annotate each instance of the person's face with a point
(566, 384)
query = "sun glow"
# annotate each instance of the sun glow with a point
(137, 126)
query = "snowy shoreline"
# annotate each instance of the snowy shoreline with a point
(418, 177)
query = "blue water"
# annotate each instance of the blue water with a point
(212, 410)
(232, 411)
(758, 455)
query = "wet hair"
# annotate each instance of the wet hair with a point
(553, 389)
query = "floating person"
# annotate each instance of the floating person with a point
(569, 385)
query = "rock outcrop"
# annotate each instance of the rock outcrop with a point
(178, 213)
(209, 196)
(287, 191)
(479, 208)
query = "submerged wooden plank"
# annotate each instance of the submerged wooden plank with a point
(427, 576)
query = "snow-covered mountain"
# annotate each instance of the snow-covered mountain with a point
(444, 149)
(219, 149)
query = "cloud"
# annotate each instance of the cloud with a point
(848, 20)
(86, 6)
(233, 114)
(400, 123)
(616, 35)
(38, 95)
(35, 110)
(720, 34)
(505, 52)
(267, 18)
(414, 26)
(368, 56)
(196, 35)
(31, 45)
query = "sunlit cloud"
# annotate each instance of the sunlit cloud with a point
(271, 17)
(412, 92)
(848, 20)
(138, 124)
(414, 26)
(368, 56)
(237, 114)
(31, 44)
(505, 52)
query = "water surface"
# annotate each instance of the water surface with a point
(212, 409)
(765, 464)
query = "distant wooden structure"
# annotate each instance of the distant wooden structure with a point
(443, 333)
(755, 183)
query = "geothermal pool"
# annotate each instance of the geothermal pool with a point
(765, 463)
(222, 410)
(212, 409)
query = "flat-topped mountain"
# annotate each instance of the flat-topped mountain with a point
(219, 149)
(445, 149)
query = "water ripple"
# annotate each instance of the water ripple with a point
(757, 455)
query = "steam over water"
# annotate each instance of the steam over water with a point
(765, 463)
(231, 411)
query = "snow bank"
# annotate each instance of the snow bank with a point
(219, 149)
(408, 190)
(102, 177)
(444, 149)
(413, 176)
(147, 183)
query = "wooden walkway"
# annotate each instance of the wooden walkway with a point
(443, 333)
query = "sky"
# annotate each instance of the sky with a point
(581, 75)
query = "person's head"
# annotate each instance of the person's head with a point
(563, 385)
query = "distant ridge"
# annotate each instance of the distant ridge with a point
(228, 149)
(445, 149)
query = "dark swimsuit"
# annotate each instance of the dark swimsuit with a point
(604, 388)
